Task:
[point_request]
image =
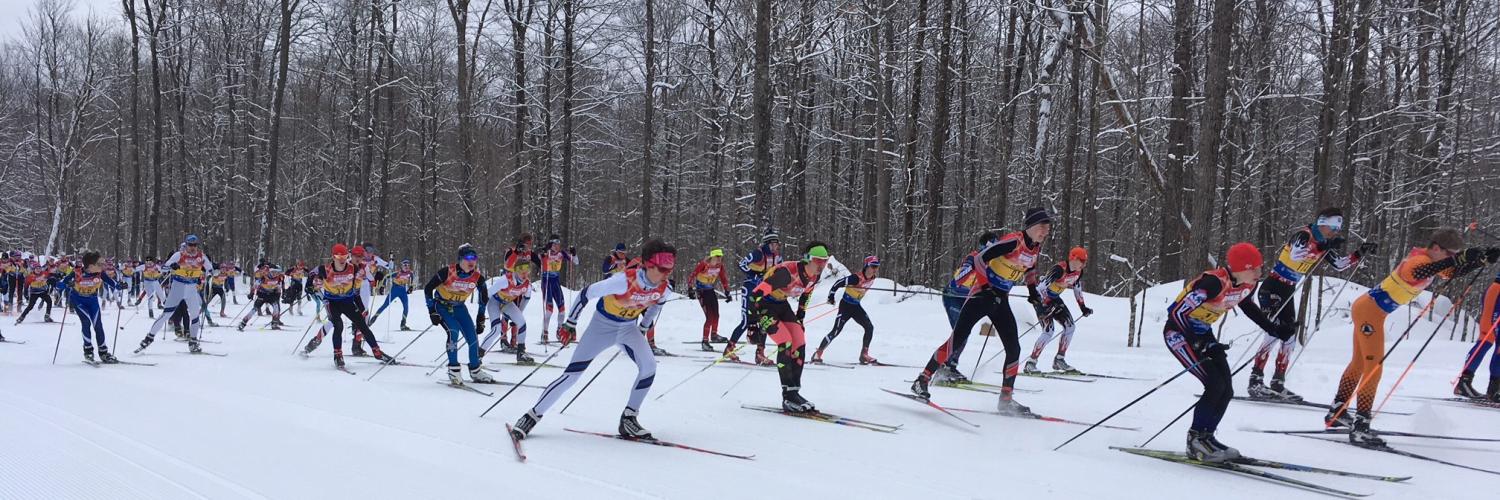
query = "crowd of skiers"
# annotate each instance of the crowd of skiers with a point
(776, 293)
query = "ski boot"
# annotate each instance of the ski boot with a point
(1257, 388)
(88, 355)
(193, 347)
(792, 401)
(18, 321)
(312, 345)
(947, 375)
(1278, 387)
(919, 388)
(1007, 405)
(1360, 433)
(1203, 447)
(1030, 366)
(866, 359)
(1465, 387)
(717, 339)
(479, 376)
(522, 359)
(1061, 365)
(1339, 410)
(524, 425)
(146, 342)
(47, 318)
(729, 354)
(404, 328)
(659, 351)
(241, 326)
(455, 375)
(384, 358)
(358, 351)
(338, 358)
(707, 347)
(817, 357)
(507, 348)
(630, 428)
(1493, 392)
(107, 358)
(761, 359)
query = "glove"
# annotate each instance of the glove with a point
(830, 299)
(572, 251)
(567, 332)
(801, 314)
(1468, 256)
(436, 320)
(1335, 243)
(1285, 331)
(1492, 255)
(1368, 247)
(1086, 311)
(1034, 300)
(692, 293)
(479, 326)
(1216, 350)
(728, 298)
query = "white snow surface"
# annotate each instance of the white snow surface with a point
(264, 423)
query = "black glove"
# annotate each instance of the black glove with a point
(572, 250)
(479, 325)
(1086, 311)
(692, 293)
(1216, 350)
(830, 299)
(728, 297)
(1492, 255)
(1336, 243)
(1368, 247)
(1034, 300)
(436, 320)
(1285, 331)
(801, 314)
(1463, 259)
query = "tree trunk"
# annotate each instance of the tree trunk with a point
(284, 46)
(649, 130)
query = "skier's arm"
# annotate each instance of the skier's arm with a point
(999, 249)
(1254, 312)
(832, 292)
(753, 256)
(484, 298)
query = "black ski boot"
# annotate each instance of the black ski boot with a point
(707, 347)
(919, 388)
(1257, 387)
(1338, 409)
(630, 428)
(146, 342)
(1493, 393)
(1202, 446)
(1360, 433)
(88, 355)
(404, 328)
(1278, 387)
(525, 424)
(358, 351)
(1007, 405)
(522, 359)
(107, 358)
(792, 401)
(1465, 387)
(338, 359)
(193, 347)
(312, 345)
(717, 339)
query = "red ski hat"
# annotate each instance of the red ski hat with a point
(1078, 254)
(359, 251)
(1243, 257)
(340, 249)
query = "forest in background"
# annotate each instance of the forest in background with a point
(1159, 131)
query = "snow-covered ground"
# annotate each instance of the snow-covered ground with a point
(264, 423)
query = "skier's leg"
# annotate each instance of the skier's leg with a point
(972, 312)
(496, 314)
(1004, 322)
(863, 318)
(595, 339)
(645, 363)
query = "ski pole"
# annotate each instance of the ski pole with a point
(304, 335)
(1485, 337)
(1353, 395)
(590, 382)
(996, 355)
(1456, 307)
(519, 384)
(736, 383)
(1128, 405)
(1191, 407)
(978, 359)
(695, 374)
(60, 325)
(398, 353)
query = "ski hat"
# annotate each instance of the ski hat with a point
(1448, 238)
(191, 239)
(466, 251)
(1078, 253)
(406, 262)
(816, 251)
(619, 247)
(340, 249)
(770, 237)
(717, 252)
(1243, 257)
(359, 251)
(1036, 215)
(872, 261)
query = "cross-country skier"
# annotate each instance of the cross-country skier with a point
(267, 291)
(1310, 244)
(1488, 318)
(296, 289)
(553, 259)
(755, 265)
(1445, 256)
(1190, 337)
(1051, 311)
(771, 304)
(38, 288)
(508, 294)
(855, 286)
(401, 281)
(341, 281)
(966, 279)
(217, 288)
(151, 289)
(708, 275)
(629, 303)
(446, 293)
(188, 267)
(1005, 264)
(84, 286)
(615, 261)
(231, 274)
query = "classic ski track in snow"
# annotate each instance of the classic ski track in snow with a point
(262, 423)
